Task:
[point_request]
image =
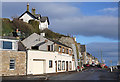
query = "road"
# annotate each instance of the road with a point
(92, 73)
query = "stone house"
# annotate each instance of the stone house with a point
(13, 60)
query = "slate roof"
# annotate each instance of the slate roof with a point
(39, 44)
(21, 47)
(43, 19)
(59, 43)
(36, 16)
(29, 14)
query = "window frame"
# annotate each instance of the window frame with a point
(59, 65)
(13, 64)
(7, 48)
(63, 65)
(63, 50)
(59, 49)
(50, 65)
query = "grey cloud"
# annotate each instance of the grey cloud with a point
(104, 26)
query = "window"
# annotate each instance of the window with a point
(59, 65)
(50, 63)
(63, 50)
(48, 47)
(70, 51)
(70, 65)
(66, 51)
(59, 48)
(63, 65)
(12, 64)
(35, 47)
(52, 48)
(7, 45)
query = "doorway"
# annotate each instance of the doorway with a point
(66, 65)
(56, 66)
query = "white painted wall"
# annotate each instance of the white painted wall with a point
(26, 17)
(43, 25)
(54, 56)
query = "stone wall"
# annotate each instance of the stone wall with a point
(20, 63)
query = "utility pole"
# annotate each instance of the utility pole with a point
(101, 56)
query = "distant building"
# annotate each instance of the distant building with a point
(84, 53)
(27, 16)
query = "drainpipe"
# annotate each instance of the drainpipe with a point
(26, 60)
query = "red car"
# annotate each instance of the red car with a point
(87, 65)
(105, 67)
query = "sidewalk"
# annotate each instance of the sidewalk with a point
(28, 77)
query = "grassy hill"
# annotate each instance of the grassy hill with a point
(26, 28)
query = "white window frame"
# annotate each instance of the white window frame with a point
(12, 63)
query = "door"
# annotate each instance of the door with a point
(56, 66)
(38, 67)
(66, 65)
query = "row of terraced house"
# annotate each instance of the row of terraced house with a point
(36, 54)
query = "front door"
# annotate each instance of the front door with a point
(56, 65)
(66, 65)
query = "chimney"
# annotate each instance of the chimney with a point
(27, 6)
(74, 38)
(33, 11)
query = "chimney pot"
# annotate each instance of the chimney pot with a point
(27, 6)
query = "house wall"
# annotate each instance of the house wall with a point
(26, 17)
(45, 57)
(20, 63)
(43, 25)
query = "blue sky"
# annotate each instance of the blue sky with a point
(89, 22)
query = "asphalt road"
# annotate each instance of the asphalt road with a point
(93, 73)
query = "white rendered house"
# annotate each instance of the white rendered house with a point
(26, 16)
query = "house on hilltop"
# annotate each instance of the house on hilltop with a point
(27, 16)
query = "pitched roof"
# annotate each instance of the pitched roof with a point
(29, 14)
(43, 19)
(21, 46)
(37, 15)
(59, 43)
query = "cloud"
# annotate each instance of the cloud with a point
(66, 18)
(105, 26)
(109, 10)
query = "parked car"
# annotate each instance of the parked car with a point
(87, 65)
(93, 64)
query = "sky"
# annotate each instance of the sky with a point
(94, 24)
